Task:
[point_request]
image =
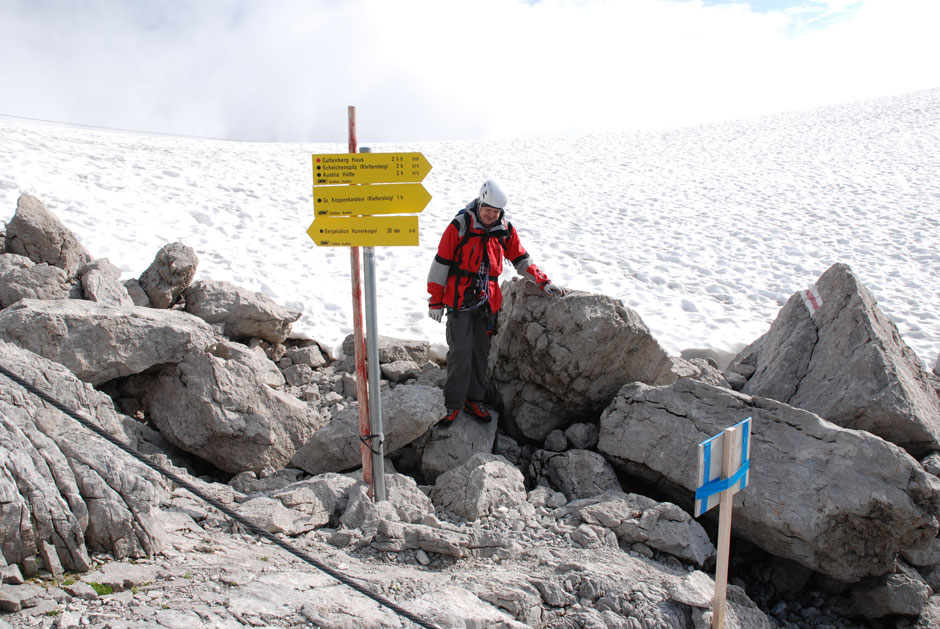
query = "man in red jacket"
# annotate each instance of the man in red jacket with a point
(464, 281)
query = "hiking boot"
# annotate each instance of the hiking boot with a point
(479, 413)
(449, 418)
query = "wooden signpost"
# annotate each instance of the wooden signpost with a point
(348, 190)
(723, 470)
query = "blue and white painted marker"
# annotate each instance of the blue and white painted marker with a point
(710, 482)
(723, 470)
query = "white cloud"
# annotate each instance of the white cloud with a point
(433, 69)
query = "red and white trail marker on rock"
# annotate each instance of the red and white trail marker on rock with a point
(811, 299)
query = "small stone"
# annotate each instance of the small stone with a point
(11, 575)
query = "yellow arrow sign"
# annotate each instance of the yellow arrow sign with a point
(400, 198)
(364, 231)
(334, 169)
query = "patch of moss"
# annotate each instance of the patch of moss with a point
(101, 589)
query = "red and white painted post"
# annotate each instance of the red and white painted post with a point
(362, 385)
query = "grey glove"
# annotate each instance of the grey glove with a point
(555, 290)
(436, 314)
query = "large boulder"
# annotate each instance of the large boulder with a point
(11, 261)
(254, 358)
(575, 473)
(841, 502)
(169, 274)
(101, 283)
(241, 313)
(38, 234)
(220, 411)
(445, 447)
(319, 498)
(39, 281)
(408, 411)
(556, 361)
(62, 487)
(844, 361)
(479, 487)
(98, 342)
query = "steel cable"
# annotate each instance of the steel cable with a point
(90, 425)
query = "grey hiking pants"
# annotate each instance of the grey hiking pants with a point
(468, 348)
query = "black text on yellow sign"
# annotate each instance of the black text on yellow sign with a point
(396, 198)
(364, 231)
(336, 169)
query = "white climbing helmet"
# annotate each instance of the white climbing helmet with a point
(492, 194)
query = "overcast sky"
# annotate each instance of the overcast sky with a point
(286, 70)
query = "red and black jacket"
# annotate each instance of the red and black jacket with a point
(461, 277)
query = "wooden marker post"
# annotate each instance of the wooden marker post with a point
(723, 470)
(362, 385)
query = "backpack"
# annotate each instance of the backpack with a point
(462, 222)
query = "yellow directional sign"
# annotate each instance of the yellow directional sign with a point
(334, 169)
(364, 231)
(399, 198)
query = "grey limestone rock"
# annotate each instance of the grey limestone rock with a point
(847, 363)
(464, 609)
(219, 410)
(11, 261)
(98, 342)
(929, 615)
(515, 595)
(100, 283)
(59, 484)
(136, 292)
(479, 486)
(582, 436)
(272, 516)
(169, 274)
(408, 411)
(310, 355)
(903, 592)
(660, 525)
(575, 473)
(241, 313)
(556, 441)
(410, 503)
(319, 498)
(696, 589)
(254, 358)
(39, 281)
(443, 448)
(841, 502)
(38, 234)
(400, 370)
(558, 361)
(392, 349)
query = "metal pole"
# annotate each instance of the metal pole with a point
(362, 392)
(375, 395)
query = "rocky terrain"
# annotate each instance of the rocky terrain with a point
(170, 456)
